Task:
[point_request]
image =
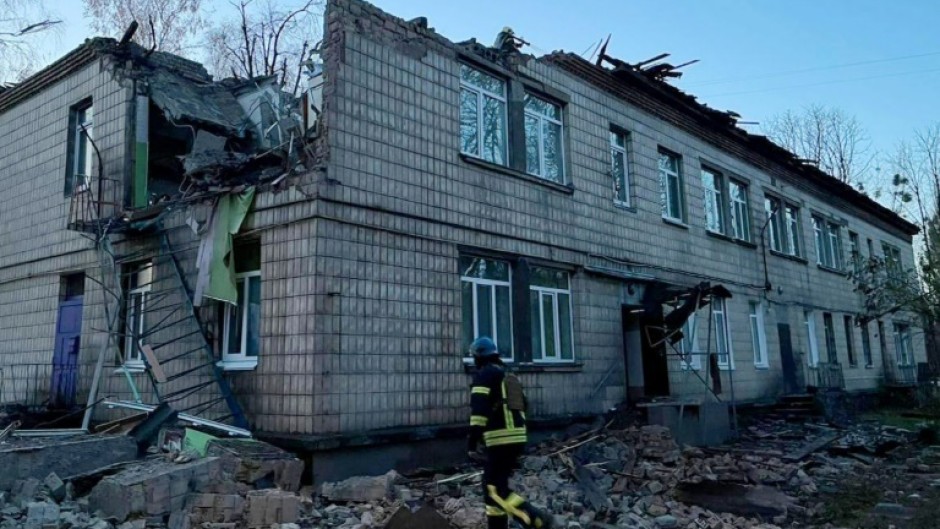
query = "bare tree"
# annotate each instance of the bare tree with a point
(165, 25)
(267, 37)
(21, 21)
(828, 137)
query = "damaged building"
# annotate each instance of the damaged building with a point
(313, 272)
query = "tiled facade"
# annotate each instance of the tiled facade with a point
(361, 314)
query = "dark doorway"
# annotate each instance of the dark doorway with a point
(64, 384)
(655, 364)
(633, 352)
(787, 361)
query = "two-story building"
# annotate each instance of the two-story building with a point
(445, 191)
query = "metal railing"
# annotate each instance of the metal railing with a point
(38, 386)
(826, 375)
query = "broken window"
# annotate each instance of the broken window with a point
(714, 201)
(866, 346)
(619, 167)
(81, 151)
(544, 145)
(482, 115)
(241, 335)
(139, 284)
(550, 303)
(903, 344)
(830, 332)
(758, 338)
(809, 321)
(722, 334)
(166, 146)
(671, 186)
(784, 227)
(849, 340)
(828, 243)
(487, 310)
(740, 213)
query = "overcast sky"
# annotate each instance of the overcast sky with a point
(876, 59)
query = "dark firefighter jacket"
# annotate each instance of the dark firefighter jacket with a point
(492, 417)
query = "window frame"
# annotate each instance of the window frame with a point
(848, 324)
(241, 360)
(688, 346)
(903, 344)
(784, 227)
(855, 251)
(892, 257)
(475, 282)
(829, 333)
(812, 340)
(623, 152)
(664, 175)
(828, 238)
(556, 319)
(723, 328)
(867, 351)
(481, 95)
(758, 340)
(542, 118)
(76, 165)
(744, 216)
(133, 356)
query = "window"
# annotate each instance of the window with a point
(882, 342)
(670, 182)
(619, 168)
(139, 285)
(892, 260)
(830, 332)
(81, 151)
(482, 116)
(740, 213)
(241, 336)
(487, 311)
(758, 338)
(849, 340)
(855, 252)
(866, 347)
(550, 303)
(714, 201)
(828, 243)
(809, 321)
(722, 334)
(903, 344)
(783, 227)
(544, 145)
(691, 354)
(871, 249)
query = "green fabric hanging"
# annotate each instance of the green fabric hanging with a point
(230, 213)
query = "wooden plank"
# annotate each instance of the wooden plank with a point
(153, 363)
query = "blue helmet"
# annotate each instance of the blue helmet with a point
(484, 347)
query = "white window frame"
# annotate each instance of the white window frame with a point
(556, 314)
(482, 94)
(542, 118)
(775, 226)
(892, 257)
(720, 306)
(494, 335)
(848, 324)
(621, 152)
(829, 330)
(739, 210)
(809, 321)
(828, 237)
(835, 245)
(688, 346)
(241, 360)
(664, 175)
(758, 334)
(903, 344)
(716, 192)
(133, 357)
(84, 116)
(792, 229)
(855, 251)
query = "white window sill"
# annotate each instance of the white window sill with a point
(725, 368)
(675, 222)
(762, 367)
(238, 365)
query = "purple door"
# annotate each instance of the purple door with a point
(65, 359)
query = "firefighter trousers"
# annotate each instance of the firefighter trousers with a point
(502, 503)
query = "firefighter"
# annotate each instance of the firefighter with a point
(498, 420)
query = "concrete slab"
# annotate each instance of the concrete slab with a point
(26, 458)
